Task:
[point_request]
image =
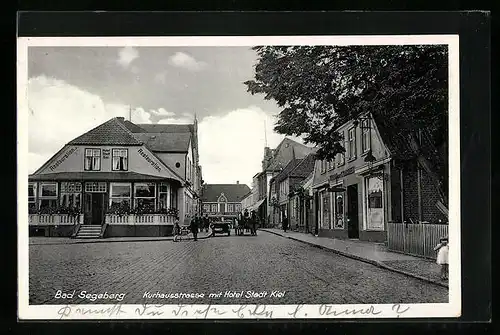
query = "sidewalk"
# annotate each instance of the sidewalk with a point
(374, 253)
(67, 240)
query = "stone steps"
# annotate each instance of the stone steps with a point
(89, 231)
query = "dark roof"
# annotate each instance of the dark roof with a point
(165, 142)
(112, 132)
(133, 127)
(232, 192)
(305, 167)
(93, 176)
(286, 151)
(167, 128)
(287, 170)
(396, 143)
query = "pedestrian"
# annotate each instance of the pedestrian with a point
(442, 256)
(285, 223)
(206, 223)
(194, 228)
(254, 223)
(177, 230)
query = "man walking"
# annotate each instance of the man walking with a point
(194, 227)
(285, 223)
(206, 223)
(254, 223)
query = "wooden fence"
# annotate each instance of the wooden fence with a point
(415, 239)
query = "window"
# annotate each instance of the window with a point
(164, 196)
(331, 164)
(339, 211)
(352, 143)
(341, 155)
(230, 208)
(375, 210)
(325, 209)
(99, 187)
(48, 195)
(31, 195)
(120, 195)
(238, 208)
(323, 166)
(173, 197)
(92, 159)
(71, 195)
(365, 135)
(144, 195)
(120, 159)
(213, 208)
(206, 208)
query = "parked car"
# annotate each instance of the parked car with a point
(220, 227)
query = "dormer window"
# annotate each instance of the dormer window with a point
(92, 160)
(120, 159)
(222, 198)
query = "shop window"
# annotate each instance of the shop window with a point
(48, 195)
(31, 196)
(352, 143)
(120, 194)
(92, 160)
(339, 211)
(120, 159)
(71, 195)
(365, 136)
(144, 196)
(164, 196)
(375, 205)
(325, 209)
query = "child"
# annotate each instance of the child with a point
(442, 256)
(177, 230)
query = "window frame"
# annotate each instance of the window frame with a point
(111, 197)
(136, 198)
(113, 158)
(42, 197)
(168, 192)
(230, 208)
(78, 192)
(365, 131)
(92, 160)
(33, 201)
(352, 143)
(214, 206)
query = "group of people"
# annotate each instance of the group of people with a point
(246, 223)
(196, 225)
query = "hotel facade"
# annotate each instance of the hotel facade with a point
(118, 179)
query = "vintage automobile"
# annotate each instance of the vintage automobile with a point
(220, 227)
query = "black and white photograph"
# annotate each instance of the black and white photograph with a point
(241, 177)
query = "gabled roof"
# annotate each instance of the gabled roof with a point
(112, 132)
(286, 151)
(165, 142)
(167, 128)
(232, 192)
(396, 143)
(286, 171)
(305, 167)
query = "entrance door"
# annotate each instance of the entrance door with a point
(97, 208)
(352, 211)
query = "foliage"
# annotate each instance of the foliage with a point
(122, 209)
(71, 211)
(319, 88)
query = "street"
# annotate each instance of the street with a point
(287, 271)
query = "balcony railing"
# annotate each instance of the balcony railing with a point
(55, 219)
(140, 219)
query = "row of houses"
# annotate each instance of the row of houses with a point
(376, 182)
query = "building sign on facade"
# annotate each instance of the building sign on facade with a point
(63, 158)
(149, 159)
(375, 210)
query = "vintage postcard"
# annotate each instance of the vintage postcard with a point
(278, 177)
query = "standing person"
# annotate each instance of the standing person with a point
(177, 229)
(285, 223)
(442, 256)
(254, 223)
(206, 223)
(194, 228)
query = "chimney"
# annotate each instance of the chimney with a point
(237, 182)
(121, 118)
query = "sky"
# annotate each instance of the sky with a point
(73, 89)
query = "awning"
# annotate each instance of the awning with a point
(257, 204)
(94, 176)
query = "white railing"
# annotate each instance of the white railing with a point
(143, 219)
(54, 219)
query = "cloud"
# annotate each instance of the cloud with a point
(61, 112)
(232, 146)
(183, 60)
(126, 56)
(161, 77)
(182, 120)
(161, 112)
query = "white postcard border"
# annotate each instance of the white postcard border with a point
(53, 312)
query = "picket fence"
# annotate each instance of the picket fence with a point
(415, 239)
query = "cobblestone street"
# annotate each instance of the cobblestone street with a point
(264, 263)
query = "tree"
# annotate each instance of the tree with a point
(319, 88)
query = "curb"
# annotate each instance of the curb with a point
(104, 240)
(365, 260)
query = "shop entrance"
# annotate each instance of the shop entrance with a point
(352, 211)
(94, 208)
